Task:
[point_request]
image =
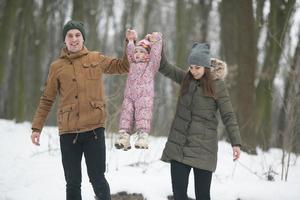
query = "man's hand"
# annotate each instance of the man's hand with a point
(236, 152)
(154, 37)
(131, 35)
(35, 138)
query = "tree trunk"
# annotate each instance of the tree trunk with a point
(229, 44)
(181, 33)
(7, 36)
(108, 5)
(200, 14)
(259, 22)
(277, 28)
(238, 46)
(92, 21)
(289, 134)
(78, 12)
(38, 52)
(148, 9)
(246, 61)
(24, 37)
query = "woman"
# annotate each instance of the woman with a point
(193, 138)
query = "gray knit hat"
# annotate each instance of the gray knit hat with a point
(200, 55)
(72, 24)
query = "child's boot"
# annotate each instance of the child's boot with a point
(123, 141)
(142, 141)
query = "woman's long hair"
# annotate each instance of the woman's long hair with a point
(206, 79)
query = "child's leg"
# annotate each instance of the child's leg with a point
(143, 117)
(125, 125)
(143, 113)
(126, 117)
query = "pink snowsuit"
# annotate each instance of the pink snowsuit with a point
(139, 92)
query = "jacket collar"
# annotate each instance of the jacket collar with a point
(70, 56)
(218, 69)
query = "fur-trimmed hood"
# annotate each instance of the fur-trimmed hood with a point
(218, 69)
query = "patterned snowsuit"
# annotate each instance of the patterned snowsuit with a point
(139, 92)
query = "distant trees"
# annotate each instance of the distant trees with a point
(277, 25)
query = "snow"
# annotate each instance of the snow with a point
(36, 173)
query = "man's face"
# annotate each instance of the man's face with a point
(74, 40)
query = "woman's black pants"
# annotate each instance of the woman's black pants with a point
(91, 144)
(180, 178)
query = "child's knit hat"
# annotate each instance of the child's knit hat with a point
(200, 55)
(144, 44)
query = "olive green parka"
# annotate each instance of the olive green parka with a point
(193, 138)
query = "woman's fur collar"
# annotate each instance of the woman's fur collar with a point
(218, 69)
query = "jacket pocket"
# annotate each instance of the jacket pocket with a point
(92, 70)
(65, 117)
(97, 114)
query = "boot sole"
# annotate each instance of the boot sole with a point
(121, 146)
(140, 147)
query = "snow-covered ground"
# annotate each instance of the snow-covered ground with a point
(28, 172)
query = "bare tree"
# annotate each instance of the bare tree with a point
(290, 114)
(7, 40)
(238, 36)
(278, 25)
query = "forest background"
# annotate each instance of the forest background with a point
(258, 39)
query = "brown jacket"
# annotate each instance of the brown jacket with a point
(77, 78)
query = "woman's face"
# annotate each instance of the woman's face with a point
(74, 40)
(197, 71)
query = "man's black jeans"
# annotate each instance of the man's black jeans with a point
(180, 179)
(92, 145)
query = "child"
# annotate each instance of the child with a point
(144, 59)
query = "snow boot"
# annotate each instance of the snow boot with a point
(123, 141)
(142, 141)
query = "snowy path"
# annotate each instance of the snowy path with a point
(28, 172)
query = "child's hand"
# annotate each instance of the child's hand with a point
(154, 37)
(131, 35)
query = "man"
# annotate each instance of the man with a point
(77, 77)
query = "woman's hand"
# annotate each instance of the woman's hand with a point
(236, 152)
(154, 37)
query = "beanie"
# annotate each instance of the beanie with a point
(145, 44)
(200, 55)
(72, 24)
